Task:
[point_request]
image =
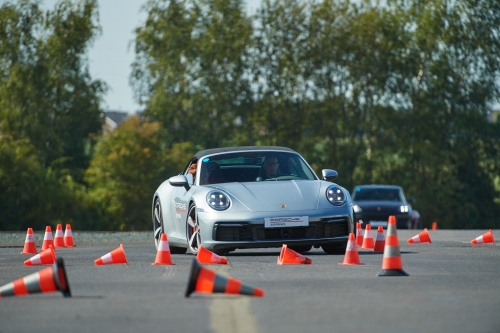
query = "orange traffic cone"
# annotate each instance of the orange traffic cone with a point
(351, 252)
(29, 243)
(422, 237)
(47, 239)
(205, 256)
(163, 256)
(47, 280)
(487, 237)
(204, 280)
(117, 256)
(380, 241)
(434, 226)
(368, 238)
(68, 237)
(392, 265)
(45, 257)
(359, 234)
(58, 237)
(290, 257)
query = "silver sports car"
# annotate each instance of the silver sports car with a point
(252, 197)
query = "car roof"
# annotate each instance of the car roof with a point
(212, 151)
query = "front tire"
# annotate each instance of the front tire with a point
(193, 230)
(158, 228)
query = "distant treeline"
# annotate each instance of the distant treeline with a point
(392, 93)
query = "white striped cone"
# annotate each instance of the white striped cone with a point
(47, 239)
(59, 237)
(163, 256)
(359, 234)
(392, 265)
(68, 237)
(45, 257)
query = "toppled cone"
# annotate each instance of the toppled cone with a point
(422, 237)
(68, 237)
(29, 243)
(206, 256)
(359, 234)
(163, 256)
(204, 280)
(380, 240)
(47, 280)
(117, 256)
(368, 238)
(487, 237)
(59, 237)
(47, 238)
(351, 252)
(45, 257)
(290, 257)
(392, 265)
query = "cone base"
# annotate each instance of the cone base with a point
(392, 272)
(342, 264)
(156, 264)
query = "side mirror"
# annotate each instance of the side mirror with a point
(179, 181)
(411, 200)
(329, 175)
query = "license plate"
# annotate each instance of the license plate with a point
(280, 222)
(378, 223)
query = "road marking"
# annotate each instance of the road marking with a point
(231, 313)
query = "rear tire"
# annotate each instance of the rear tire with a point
(336, 248)
(158, 228)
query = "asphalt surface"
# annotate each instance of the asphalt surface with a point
(452, 287)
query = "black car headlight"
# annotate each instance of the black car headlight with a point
(218, 200)
(335, 195)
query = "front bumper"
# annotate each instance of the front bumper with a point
(242, 233)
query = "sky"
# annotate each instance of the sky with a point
(112, 52)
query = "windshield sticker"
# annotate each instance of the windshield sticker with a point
(358, 189)
(206, 159)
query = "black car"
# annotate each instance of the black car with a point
(373, 204)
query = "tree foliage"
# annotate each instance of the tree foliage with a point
(395, 93)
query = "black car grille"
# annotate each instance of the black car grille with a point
(235, 232)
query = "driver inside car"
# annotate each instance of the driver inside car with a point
(271, 167)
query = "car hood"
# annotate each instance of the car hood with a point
(372, 206)
(271, 195)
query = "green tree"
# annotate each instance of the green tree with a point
(127, 167)
(191, 66)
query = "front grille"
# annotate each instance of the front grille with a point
(234, 232)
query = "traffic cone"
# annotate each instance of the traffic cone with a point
(29, 243)
(68, 237)
(380, 241)
(351, 252)
(45, 257)
(47, 239)
(392, 265)
(47, 280)
(368, 238)
(59, 238)
(290, 257)
(359, 234)
(117, 256)
(487, 237)
(163, 254)
(205, 256)
(422, 237)
(204, 280)
(434, 226)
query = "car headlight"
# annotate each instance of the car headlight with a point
(357, 209)
(218, 200)
(335, 195)
(404, 209)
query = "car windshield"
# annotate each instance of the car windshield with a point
(377, 194)
(253, 167)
